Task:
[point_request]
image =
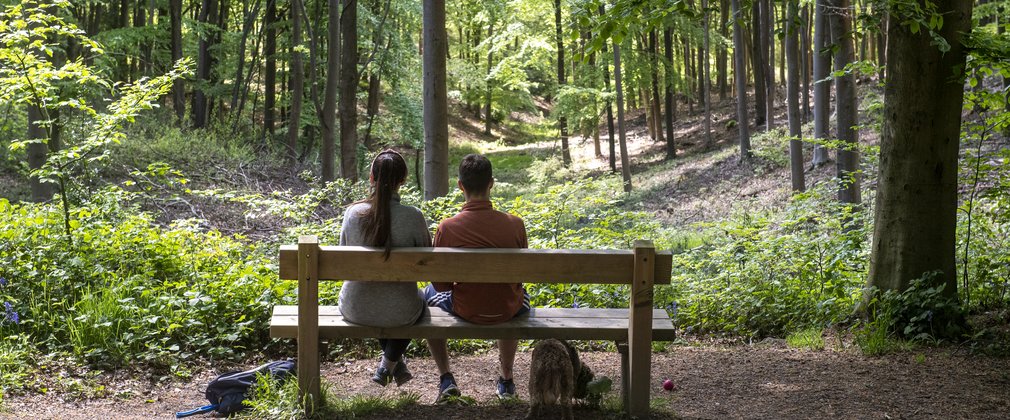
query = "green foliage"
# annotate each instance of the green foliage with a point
(923, 312)
(582, 106)
(130, 291)
(769, 274)
(772, 146)
(897, 321)
(874, 338)
(810, 339)
(918, 16)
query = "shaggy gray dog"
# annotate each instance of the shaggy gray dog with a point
(556, 376)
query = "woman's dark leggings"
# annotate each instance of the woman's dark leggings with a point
(393, 348)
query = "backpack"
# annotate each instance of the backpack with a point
(227, 392)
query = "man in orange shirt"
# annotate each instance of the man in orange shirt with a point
(478, 225)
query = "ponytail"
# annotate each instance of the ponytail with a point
(388, 171)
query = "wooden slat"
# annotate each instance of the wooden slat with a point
(465, 265)
(620, 313)
(283, 324)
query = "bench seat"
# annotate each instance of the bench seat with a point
(562, 323)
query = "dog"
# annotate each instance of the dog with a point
(556, 377)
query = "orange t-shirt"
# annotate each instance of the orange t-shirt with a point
(479, 225)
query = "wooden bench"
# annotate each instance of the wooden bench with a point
(633, 329)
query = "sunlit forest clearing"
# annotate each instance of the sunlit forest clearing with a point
(829, 178)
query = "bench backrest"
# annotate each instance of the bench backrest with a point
(495, 265)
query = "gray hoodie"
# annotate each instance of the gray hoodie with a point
(383, 304)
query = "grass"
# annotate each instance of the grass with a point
(279, 400)
(874, 339)
(810, 339)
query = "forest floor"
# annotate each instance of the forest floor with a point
(713, 379)
(760, 380)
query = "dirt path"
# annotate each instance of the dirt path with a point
(712, 382)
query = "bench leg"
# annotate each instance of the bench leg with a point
(308, 322)
(640, 330)
(622, 348)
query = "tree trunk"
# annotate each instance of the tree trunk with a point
(705, 79)
(782, 51)
(328, 153)
(916, 204)
(671, 104)
(435, 102)
(740, 78)
(296, 82)
(37, 154)
(349, 89)
(882, 45)
(689, 72)
(249, 16)
(562, 123)
(845, 104)
(372, 107)
(757, 63)
(270, 70)
(178, 86)
(768, 61)
(124, 22)
(792, 52)
(822, 87)
(654, 63)
(805, 63)
(597, 150)
(625, 161)
(204, 63)
(720, 56)
(487, 93)
(610, 107)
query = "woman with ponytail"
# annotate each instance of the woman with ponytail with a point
(381, 221)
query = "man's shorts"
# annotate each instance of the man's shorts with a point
(444, 300)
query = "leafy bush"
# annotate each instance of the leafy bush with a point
(122, 289)
(773, 273)
(923, 312)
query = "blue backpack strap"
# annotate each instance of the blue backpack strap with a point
(195, 411)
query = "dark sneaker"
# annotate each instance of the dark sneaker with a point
(400, 372)
(447, 389)
(506, 389)
(382, 376)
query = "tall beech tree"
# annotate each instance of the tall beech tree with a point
(178, 86)
(916, 204)
(329, 118)
(654, 67)
(436, 104)
(609, 105)
(758, 63)
(793, 95)
(668, 85)
(768, 60)
(740, 79)
(562, 123)
(204, 63)
(297, 81)
(705, 79)
(845, 102)
(348, 106)
(621, 129)
(822, 85)
(720, 59)
(270, 68)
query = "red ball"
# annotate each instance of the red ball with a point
(668, 385)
